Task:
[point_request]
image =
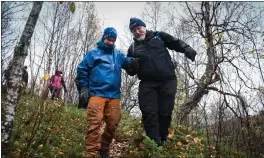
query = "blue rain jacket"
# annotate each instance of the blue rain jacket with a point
(100, 71)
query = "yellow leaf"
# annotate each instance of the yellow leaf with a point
(60, 153)
(171, 134)
(179, 143)
(196, 140)
(41, 146)
(204, 46)
(221, 35)
(46, 76)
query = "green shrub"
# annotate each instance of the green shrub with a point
(48, 129)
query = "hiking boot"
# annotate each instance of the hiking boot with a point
(104, 154)
(92, 155)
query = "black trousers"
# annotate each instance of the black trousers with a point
(156, 102)
(55, 92)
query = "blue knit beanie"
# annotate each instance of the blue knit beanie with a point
(134, 22)
(109, 32)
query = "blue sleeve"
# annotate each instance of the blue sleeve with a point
(124, 60)
(84, 68)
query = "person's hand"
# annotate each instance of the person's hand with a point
(190, 53)
(84, 97)
(84, 94)
(134, 63)
(133, 66)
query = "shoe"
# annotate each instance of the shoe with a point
(104, 154)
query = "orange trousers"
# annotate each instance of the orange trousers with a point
(99, 108)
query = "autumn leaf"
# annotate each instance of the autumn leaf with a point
(251, 52)
(221, 35)
(72, 7)
(196, 140)
(60, 153)
(46, 76)
(171, 134)
(179, 143)
(41, 146)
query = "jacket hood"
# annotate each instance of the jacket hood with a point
(104, 47)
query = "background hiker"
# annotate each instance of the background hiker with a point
(55, 84)
(24, 81)
(158, 83)
(25, 76)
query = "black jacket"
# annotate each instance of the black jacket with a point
(25, 77)
(154, 59)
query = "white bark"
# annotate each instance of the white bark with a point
(13, 83)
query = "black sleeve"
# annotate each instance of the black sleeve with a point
(129, 51)
(173, 43)
(130, 70)
(26, 77)
(178, 45)
(77, 83)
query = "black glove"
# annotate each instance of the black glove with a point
(133, 67)
(190, 53)
(77, 83)
(83, 98)
(134, 63)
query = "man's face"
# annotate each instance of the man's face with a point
(109, 41)
(139, 32)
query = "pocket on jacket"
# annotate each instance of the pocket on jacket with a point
(146, 67)
(163, 64)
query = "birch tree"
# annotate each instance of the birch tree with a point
(13, 83)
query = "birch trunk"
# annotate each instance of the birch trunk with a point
(13, 83)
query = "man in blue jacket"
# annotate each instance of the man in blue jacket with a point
(158, 83)
(99, 75)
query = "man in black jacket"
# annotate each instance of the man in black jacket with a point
(25, 76)
(158, 83)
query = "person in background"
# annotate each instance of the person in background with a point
(55, 84)
(25, 76)
(24, 81)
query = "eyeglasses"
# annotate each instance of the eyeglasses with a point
(136, 29)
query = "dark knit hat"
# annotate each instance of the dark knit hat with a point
(134, 22)
(109, 32)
